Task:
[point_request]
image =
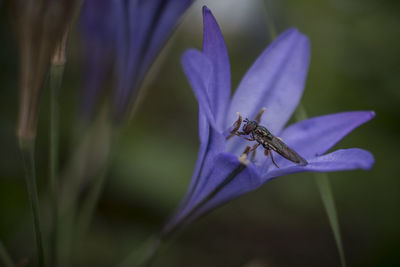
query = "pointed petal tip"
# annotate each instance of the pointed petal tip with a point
(365, 158)
(209, 20)
(298, 35)
(369, 162)
(365, 116)
(206, 10)
(294, 31)
(372, 114)
(191, 50)
(190, 54)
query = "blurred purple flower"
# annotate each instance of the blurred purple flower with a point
(123, 37)
(275, 81)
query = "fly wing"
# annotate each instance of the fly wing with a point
(282, 149)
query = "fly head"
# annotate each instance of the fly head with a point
(249, 126)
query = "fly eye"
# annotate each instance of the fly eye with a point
(247, 128)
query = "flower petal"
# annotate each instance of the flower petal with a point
(224, 167)
(339, 160)
(144, 26)
(317, 135)
(246, 181)
(121, 94)
(169, 13)
(97, 23)
(275, 81)
(135, 30)
(212, 143)
(199, 71)
(214, 48)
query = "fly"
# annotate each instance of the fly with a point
(263, 137)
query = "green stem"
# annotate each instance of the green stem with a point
(89, 206)
(325, 191)
(56, 73)
(75, 177)
(5, 256)
(144, 255)
(90, 203)
(27, 149)
(71, 189)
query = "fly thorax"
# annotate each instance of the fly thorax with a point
(263, 132)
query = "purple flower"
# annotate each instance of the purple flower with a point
(125, 36)
(275, 81)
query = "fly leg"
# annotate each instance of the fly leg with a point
(236, 127)
(248, 139)
(259, 115)
(268, 151)
(254, 149)
(249, 149)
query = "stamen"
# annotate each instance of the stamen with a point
(243, 157)
(236, 126)
(247, 150)
(259, 114)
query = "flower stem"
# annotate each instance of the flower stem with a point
(325, 191)
(5, 256)
(90, 203)
(56, 73)
(88, 207)
(27, 148)
(144, 255)
(74, 175)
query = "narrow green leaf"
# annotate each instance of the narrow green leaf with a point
(27, 148)
(56, 73)
(324, 188)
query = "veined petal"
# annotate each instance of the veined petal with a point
(246, 181)
(122, 48)
(97, 22)
(143, 29)
(215, 49)
(275, 81)
(315, 136)
(144, 17)
(168, 15)
(98, 65)
(212, 143)
(222, 184)
(204, 166)
(339, 160)
(199, 71)
(134, 33)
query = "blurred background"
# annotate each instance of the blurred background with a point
(354, 66)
